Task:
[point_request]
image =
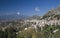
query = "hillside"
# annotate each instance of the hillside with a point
(54, 13)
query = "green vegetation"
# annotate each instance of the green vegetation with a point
(47, 32)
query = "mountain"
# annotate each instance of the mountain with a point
(34, 17)
(54, 13)
(12, 17)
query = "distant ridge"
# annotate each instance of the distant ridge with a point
(12, 17)
(34, 17)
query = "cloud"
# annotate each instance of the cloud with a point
(37, 9)
(18, 13)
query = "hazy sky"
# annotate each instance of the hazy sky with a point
(27, 7)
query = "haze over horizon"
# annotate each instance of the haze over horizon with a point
(27, 7)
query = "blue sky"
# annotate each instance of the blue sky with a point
(27, 7)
